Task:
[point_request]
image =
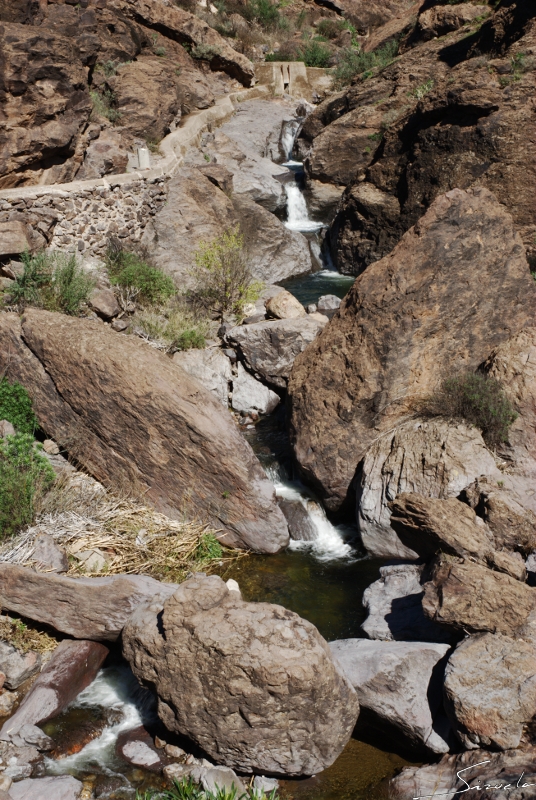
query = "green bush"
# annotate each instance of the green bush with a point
(354, 62)
(477, 399)
(16, 407)
(314, 54)
(103, 105)
(53, 281)
(129, 271)
(175, 327)
(224, 284)
(25, 475)
(205, 51)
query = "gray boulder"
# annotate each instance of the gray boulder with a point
(299, 520)
(328, 304)
(210, 367)
(490, 690)
(394, 605)
(17, 667)
(47, 555)
(250, 394)
(432, 458)
(86, 608)
(269, 348)
(400, 683)
(61, 787)
(251, 683)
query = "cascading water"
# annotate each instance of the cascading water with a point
(288, 137)
(297, 213)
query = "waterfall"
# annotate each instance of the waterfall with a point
(288, 137)
(297, 214)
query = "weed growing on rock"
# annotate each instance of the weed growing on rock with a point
(174, 327)
(103, 105)
(53, 281)
(25, 475)
(205, 52)
(354, 62)
(187, 789)
(16, 407)
(224, 284)
(129, 271)
(477, 399)
(26, 636)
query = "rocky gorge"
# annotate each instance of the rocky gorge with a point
(273, 537)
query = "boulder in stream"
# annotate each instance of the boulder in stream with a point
(57, 787)
(251, 683)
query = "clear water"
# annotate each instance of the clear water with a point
(308, 288)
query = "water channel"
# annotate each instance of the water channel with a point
(322, 580)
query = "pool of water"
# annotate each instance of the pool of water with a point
(308, 288)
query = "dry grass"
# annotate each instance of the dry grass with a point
(81, 516)
(26, 636)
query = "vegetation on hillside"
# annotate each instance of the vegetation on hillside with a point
(25, 476)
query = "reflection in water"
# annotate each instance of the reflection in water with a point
(308, 288)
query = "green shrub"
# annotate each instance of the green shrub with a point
(224, 284)
(314, 54)
(175, 327)
(354, 62)
(53, 281)
(477, 399)
(208, 548)
(129, 271)
(187, 789)
(16, 407)
(25, 475)
(205, 51)
(103, 105)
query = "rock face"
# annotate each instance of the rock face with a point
(253, 684)
(86, 608)
(269, 348)
(120, 430)
(471, 598)
(513, 525)
(210, 367)
(17, 667)
(71, 669)
(252, 395)
(394, 604)
(404, 326)
(400, 682)
(432, 458)
(490, 690)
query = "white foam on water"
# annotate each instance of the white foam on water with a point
(117, 689)
(297, 214)
(288, 137)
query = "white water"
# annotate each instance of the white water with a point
(297, 214)
(329, 544)
(116, 689)
(288, 137)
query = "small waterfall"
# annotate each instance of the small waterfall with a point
(114, 688)
(289, 130)
(297, 214)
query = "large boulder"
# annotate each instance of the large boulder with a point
(251, 683)
(400, 683)
(409, 321)
(85, 608)
(209, 367)
(432, 458)
(59, 787)
(120, 430)
(486, 772)
(269, 348)
(394, 605)
(490, 690)
(72, 667)
(471, 598)
(250, 394)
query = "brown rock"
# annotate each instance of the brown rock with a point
(490, 690)
(439, 20)
(73, 667)
(471, 598)
(104, 303)
(136, 747)
(284, 305)
(513, 526)
(428, 525)
(405, 325)
(85, 608)
(205, 458)
(251, 683)
(105, 155)
(146, 96)
(48, 556)
(13, 238)
(220, 176)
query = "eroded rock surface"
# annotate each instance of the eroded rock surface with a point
(253, 684)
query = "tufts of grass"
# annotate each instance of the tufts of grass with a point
(26, 636)
(477, 399)
(16, 407)
(103, 105)
(25, 475)
(175, 326)
(187, 789)
(53, 281)
(205, 52)
(354, 63)
(130, 271)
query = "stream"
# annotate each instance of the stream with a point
(322, 580)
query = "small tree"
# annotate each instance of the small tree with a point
(224, 284)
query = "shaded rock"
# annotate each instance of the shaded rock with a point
(322, 199)
(215, 778)
(104, 302)
(269, 348)
(61, 787)
(206, 455)
(136, 747)
(394, 605)
(47, 555)
(475, 768)
(490, 690)
(470, 598)
(299, 520)
(231, 675)
(105, 155)
(439, 20)
(219, 175)
(252, 395)
(328, 304)
(284, 306)
(513, 525)
(17, 667)
(432, 458)
(71, 669)
(400, 682)
(95, 608)
(403, 327)
(211, 368)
